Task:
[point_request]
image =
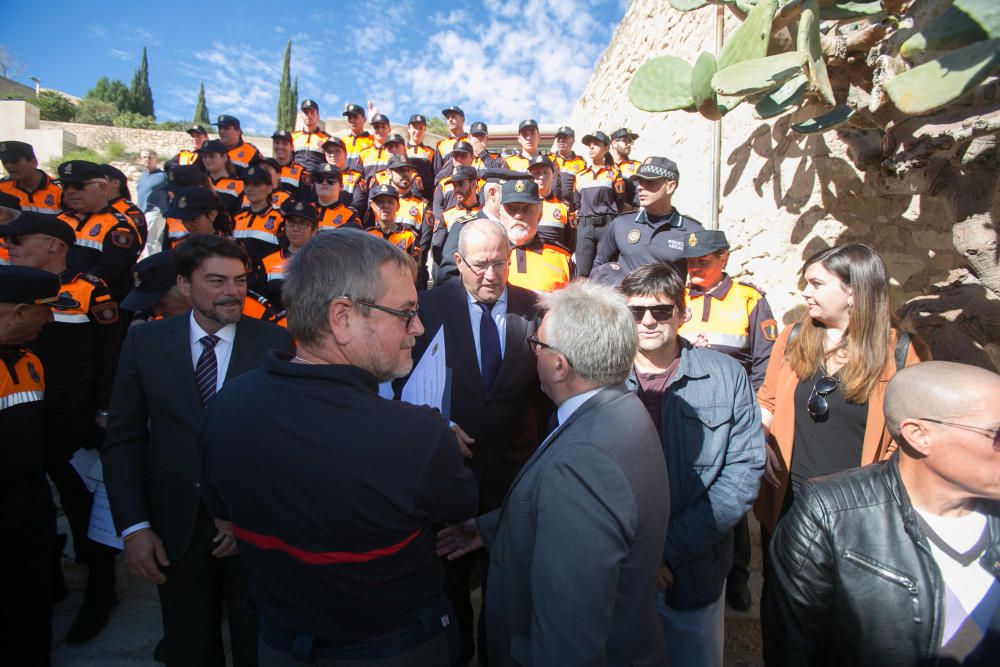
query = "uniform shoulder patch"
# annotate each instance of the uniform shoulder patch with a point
(92, 279)
(123, 238)
(105, 312)
(769, 329)
(465, 218)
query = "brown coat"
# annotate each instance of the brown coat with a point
(777, 394)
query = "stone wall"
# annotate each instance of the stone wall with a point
(784, 195)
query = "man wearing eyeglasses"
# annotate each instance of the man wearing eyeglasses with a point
(709, 423)
(496, 404)
(107, 242)
(334, 495)
(898, 562)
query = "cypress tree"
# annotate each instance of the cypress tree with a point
(295, 99)
(140, 94)
(285, 121)
(200, 109)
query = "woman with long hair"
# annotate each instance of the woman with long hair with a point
(821, 401)
(598, 196)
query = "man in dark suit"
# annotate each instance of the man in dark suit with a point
(575, 549)
(168, 371)
(496, 405)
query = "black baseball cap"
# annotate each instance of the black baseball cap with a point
(185, 176)
(10, 205)
(151, 279)
(566, 131)
(226, 120)
(417, 118)
(462, 147)
(291, 208)
(624, 133)
(214, 146)
(542, 160)
(13, 150)
(479, 127)
(596, 136)
(115, 174)
(705, 242)
(328, 169)
(610, 274)
(463, 173)
(189, 203)
(353, 108)
(399, 162)
(382, 190)
(657, 167)
(452, 109)
(336, 141)
(256, 174)
(30, 222)
(503, 174)
(197, 129)
(24, 284)
(395, 138)
(380, 118)
(79, 171)
(520, 191)
(308, 104)
(530, 122)
(282, 135)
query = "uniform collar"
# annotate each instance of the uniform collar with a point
(535, 244)
(720, 291)
(672, 219)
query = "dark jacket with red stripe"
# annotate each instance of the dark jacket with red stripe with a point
(335, 494)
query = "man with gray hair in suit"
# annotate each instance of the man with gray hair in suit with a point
(576, 547)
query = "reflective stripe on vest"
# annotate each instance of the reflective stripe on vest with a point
(21, 398)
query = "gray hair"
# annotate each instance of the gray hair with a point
(148, 150)
(591, 326)
(483, 226)
(339, 262)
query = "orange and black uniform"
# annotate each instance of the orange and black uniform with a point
(598, 197)
(407, 240)
(132, 212)
(442, 152)
(355, 144)
(444, 198)
(553, 225)
(422, 158)
(337, 215)
(243, 154)
(274, 273)
(307, 146)
(354, 189)
(488, 160)
(258, 232)
(107, 246)
(517, 162)
(373, 160)
(737, 320)
(46, 198)
(174, 233)
(27, 514)
(230, 191)
(539, 266)
(260, 307)
(628, 169)
(566, 170)
(291, 177)
(456, 215)
(79, 350)
(186, 157)
(278, 197)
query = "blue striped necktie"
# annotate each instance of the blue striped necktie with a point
(206, 371)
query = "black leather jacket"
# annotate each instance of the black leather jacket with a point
(853, 578)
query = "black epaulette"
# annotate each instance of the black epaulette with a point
(466, 218)
(560, 246)
(90, 278)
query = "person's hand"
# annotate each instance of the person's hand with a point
(225, 539)
(143, 550)
(771, 466)
(464, 440)
(102, 418)
(457, 540)
(666, 581)
(701, 340)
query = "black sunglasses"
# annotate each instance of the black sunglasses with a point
(817, 405)
(405, 315)
(661, 312)
(329, 181)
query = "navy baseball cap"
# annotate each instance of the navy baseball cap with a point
(705, 242)
(353, 108)
(282, 135)
(189, 203)
(185, 176)
(380, 118)
(30, 222)
(383, 190)
(542, 160)
(214, 146)
(308, 104)
(291, 208)
(462, 147)
(399, 162)
(479, 127)
(328, 169)
(452, 109)
(334, 141)
(13, 150)
(565, 131)
(462, 173)
(596, 136)
(225, 120)
(197, 129)
(417, 118)
(256, 174)
(520, 191)
(151, 279)
(624, 133)
(530, 122)
(656, 167)
(79, 171)
(395, 138)
(24, 284)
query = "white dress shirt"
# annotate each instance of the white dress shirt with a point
(223, 349)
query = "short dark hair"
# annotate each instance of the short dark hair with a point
(656, 279)
(195, 249)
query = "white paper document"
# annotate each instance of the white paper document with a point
(83, 461)
(426, 385)
(102, 527)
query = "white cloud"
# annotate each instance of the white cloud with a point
(97, 31)
(121, 55)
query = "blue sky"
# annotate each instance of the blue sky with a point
(500, 60)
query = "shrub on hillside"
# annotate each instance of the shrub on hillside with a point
(96, 112)
(54, 106)
(132, 119)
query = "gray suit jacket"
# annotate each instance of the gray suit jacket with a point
(151, 463)
(576, 549)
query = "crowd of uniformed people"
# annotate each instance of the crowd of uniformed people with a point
(218, 230)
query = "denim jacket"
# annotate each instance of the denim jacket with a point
(714, 447)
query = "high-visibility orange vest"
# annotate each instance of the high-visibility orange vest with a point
(46, 198)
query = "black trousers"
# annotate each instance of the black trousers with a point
(27, 537)
(457, 586)
(589, 233)
(191, 601)
(77, 502)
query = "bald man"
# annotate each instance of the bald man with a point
(897, 563)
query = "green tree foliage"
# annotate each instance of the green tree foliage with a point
(140, 94)
(200, 108)
(112, 91)
(132, 119)
(95, 111)
(173, 125)
(435, 125)
(285, 117)
(295, 97)
(53, 106)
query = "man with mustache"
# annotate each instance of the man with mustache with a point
(534, 264)
(340, 544)
(168, 372)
